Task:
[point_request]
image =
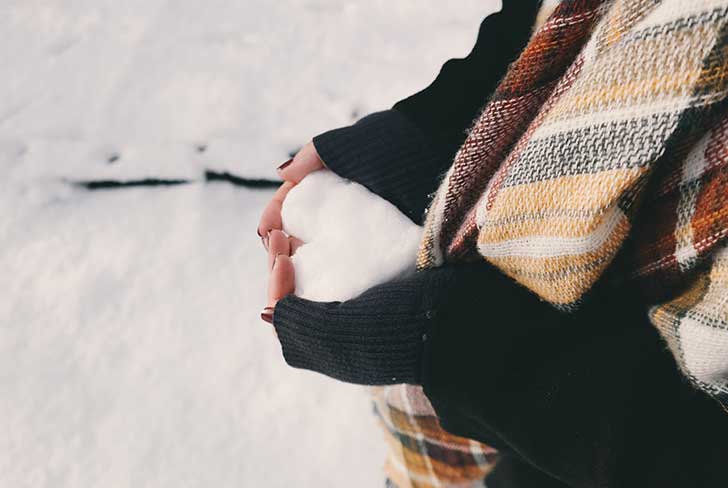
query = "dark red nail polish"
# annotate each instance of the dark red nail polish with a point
(285, 165)
(267, 315)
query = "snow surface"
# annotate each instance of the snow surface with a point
(353, 239)
(151, 80)
(131, 350)
(132, 355)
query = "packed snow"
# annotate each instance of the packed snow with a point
(353, 239)
(131, 349)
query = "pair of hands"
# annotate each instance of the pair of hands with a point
(278, 244)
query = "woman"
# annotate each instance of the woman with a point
(580, 227)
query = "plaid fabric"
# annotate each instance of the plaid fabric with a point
(421, 453)
(694, 325)
(680, 242)
(530, 82)
(629, 141)
(609, 132)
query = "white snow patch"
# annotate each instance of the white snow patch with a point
(353, 239)
(152, 80)
(132, 352)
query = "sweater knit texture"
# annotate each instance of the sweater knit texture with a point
(607, 134)
(599, 157)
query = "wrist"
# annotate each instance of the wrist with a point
(376, 339)
(390, 156)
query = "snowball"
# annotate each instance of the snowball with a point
(353, 238)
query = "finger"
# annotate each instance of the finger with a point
(295, 243)
(282, 279)
(306, 161)
(271, 217)
(278, 243)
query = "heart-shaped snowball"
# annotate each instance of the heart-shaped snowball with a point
(353, 239)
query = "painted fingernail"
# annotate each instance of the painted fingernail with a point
(285, 165)
(267, 314)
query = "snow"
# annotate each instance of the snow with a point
(131, 350)
(353, 239)
(151, 80)
(135, 358)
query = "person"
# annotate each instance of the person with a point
(568, 325)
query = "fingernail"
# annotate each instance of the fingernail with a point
(272, 266)
(267, 314)
(285, 165)
(265, 239)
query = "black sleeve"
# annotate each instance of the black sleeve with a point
(589, 399)
(593, 398)
(401, 154)
(374, 339)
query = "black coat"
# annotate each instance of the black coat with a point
(590, 399)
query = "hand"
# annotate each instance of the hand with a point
(291, 172)
(376, 338)
(280, 246)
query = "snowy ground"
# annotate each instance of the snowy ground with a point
(131, 352)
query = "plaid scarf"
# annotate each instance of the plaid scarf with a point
(609, 134)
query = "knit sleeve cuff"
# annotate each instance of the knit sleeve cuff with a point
(374, 339)
(388, 154)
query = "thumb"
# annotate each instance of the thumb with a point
(282, 279)
(281, 283)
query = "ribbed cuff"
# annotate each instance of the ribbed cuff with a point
(389, 155)
(374, 339)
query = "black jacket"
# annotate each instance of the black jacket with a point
(590, 399)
